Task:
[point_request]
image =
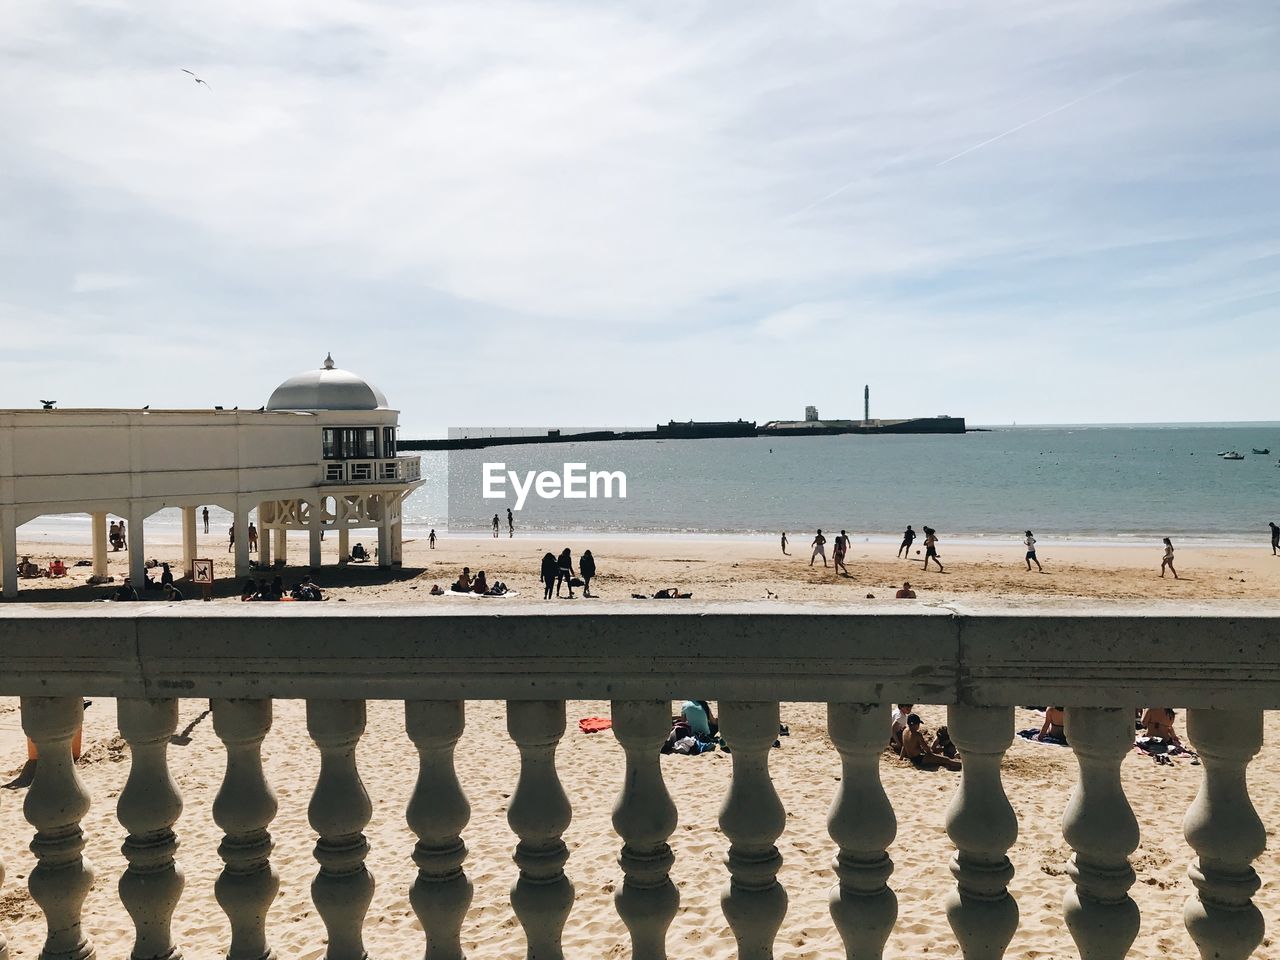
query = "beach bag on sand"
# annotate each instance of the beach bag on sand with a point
(575, 582)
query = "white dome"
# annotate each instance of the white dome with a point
(327, 388)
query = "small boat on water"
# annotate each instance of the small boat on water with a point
(1265, 450)
(1233, 455)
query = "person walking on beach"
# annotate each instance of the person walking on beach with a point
(205, 514)
(1168, 559)
(587, 567)
(784, 543)
(431, 538)
(819, 548)
(231, 538)
(511, 524)
(253, 539)
(908, 538)
(1030, 542)
(124, 537)
(548, 574)
(931, 548)
(1275, 537)
(564, 572)
(495, 526)
(114, 536)
(838, 553)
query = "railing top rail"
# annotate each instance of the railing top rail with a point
(1078, 654)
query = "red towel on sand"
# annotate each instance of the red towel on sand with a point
(594, 724)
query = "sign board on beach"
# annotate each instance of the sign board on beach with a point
(202, 571)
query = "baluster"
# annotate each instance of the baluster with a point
(644, 818)
(438, 810)
(148, 808)
(339, 812)
(983, 826)
(1100, 827)
(542, 895)
(4, 945)
(55, 805)
(243, 809)
(863, 826)
(1226, 834)
(752, 817)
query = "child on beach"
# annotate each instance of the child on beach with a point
(431, 538)
(1030, 542)
(1168, 559)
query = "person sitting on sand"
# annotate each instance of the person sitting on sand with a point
(249, 591)
(1168, 559)
(166, 575)
(917, 749)
(480, 585)
(1054, 729)
(359, 554)
(943, 744)
(702, 722)
(305, 589)
(436, 590)
(897, 724)
(671, 593)
(172, 593)
(463, 583)
(125, 591)
(906, 593)
(547, 574)
(1158, 724)
(27, 569)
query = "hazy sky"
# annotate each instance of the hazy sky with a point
(579, 212)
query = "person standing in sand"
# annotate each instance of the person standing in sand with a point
(1168, 559)
(587, 567)
(908, 538)
(564, 571)
(784, 543)
(1030, 543)
(253, 539)
(495, 526)
(124, 537)
(431, 538)
(1275, 537)
(838, 553)
(931, 548)
(231, 538)
(819, 548)
(511, 523)
(205, 514)
(547, 574)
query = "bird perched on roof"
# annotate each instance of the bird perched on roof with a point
(48, 404)
(195, 78)
(146, 406)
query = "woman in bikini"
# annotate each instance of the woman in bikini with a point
(1168, 559)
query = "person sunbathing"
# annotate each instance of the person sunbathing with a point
(1054, 727)
(671, 593)
(463, 583)
(480, 585)
(917, 749)
(897, 724)
(1158, 724)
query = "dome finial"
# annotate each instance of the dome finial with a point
(328, 361)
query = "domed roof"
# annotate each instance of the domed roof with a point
(327, 388)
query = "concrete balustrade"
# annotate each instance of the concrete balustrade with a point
(979, 661)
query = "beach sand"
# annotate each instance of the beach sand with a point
(1037, 777)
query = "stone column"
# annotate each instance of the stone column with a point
(264, 537)
(385, 555)
(339, 811)
(241, 523)
(98, 524)
(314, 527)
(4, 945)
(752, 818)
(148, 808)
(282, 544)
(9, 551)
(1101, 828)
(438, 811)
(539, 814)
(137, 548)
(863, 825)
(645, 817)
(1226, 834)
(189, 542)
(55, 805)
(344, 544)
(244, 809)
(983, 826)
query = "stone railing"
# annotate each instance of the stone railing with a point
(1223, 665)
(403, 469)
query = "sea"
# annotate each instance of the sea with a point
(1089, 484)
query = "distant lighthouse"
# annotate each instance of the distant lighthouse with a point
(866, 403)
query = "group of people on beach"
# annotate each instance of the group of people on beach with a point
(557, 572)
(252, 538)
(478, 585)
(304, 589)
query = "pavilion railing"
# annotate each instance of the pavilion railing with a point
(402, 469)
(1224, 666)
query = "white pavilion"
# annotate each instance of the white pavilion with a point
(320, 455)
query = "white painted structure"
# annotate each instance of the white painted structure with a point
(320, 455)
(1220, 661)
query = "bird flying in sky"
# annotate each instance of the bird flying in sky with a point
(195, 78)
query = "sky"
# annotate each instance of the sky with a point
(569, 212)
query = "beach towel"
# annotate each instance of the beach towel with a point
(594, 724)
(480, 596)
(1049, 738)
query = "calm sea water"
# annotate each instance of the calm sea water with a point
(1108, 484)
(1088, 483)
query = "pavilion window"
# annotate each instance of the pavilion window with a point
(388, 441)
(332, 445)
(368, 441)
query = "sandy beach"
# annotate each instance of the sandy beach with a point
(1037, 777)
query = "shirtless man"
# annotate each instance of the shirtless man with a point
(906, 593)
(819, 549)
(908, 538)
(898, 724)
(784, 543)
(917, 749)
